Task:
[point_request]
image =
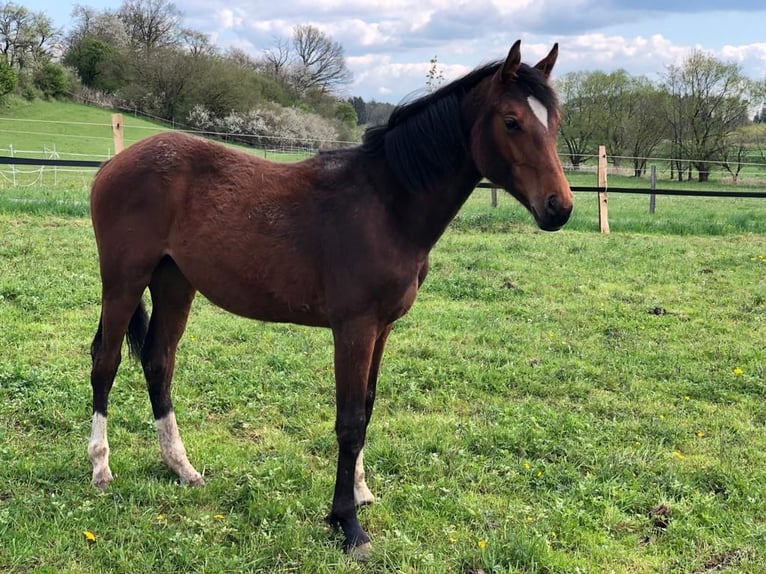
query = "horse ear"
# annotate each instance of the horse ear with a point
(546, 64)
(512, 63)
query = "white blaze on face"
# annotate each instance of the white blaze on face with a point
(540, 111)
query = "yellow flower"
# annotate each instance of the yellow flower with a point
(700, 434)
(526, 466)
(89, 536)
(482, 544)
(737, 371)
(160, 517)
(687, 398)
(677, 454)
(219, 516)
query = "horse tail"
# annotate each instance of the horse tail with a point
(137, 329)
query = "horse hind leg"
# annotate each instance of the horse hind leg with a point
(172, 296)
(118, 313)
(362, 494)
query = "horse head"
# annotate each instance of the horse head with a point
(513, 137)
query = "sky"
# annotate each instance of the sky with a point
(388, 44)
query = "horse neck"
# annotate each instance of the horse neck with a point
(424, 216)
(428, 213)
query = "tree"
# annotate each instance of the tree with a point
(87, 57)
(151, 23)
(580, 118)
(320, 61)
(644, 124)
(26, 38)
(276, 60)
(360, 108)
(707, 104)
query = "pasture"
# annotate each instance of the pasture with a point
(562, 402)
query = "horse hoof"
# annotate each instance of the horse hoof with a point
(102, 480)
(101, 485)
(360, 553)
(195, 481)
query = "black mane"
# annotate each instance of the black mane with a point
(424, 139)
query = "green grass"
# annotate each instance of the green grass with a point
(533, 411)
(545, 396)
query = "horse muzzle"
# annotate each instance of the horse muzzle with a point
(554, 213)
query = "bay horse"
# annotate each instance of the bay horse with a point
(340, 240)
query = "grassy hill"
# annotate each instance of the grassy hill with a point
(68, 128)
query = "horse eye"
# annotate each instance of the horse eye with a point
(511, 124)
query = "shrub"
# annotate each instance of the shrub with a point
(8, 78)
(52, 80)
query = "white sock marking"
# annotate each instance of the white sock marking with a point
(362, 494)
(540, 111)
(173, 451)
(98, 451)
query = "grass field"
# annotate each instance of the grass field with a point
(561, 402)
(554, 403)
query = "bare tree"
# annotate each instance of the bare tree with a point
(151, 23)
(276, 60)
(320, 60)
(707, 105)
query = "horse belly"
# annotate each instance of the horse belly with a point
(267, 290)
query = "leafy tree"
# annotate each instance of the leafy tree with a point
(707, 105)
(360, 108)
(87, 57)
(580, 117)
(643, 123)
(26, 38)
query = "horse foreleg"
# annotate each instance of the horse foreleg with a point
(354, 344)
(362, 494)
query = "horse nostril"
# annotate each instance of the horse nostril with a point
(553, 203)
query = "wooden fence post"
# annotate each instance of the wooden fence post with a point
(603, 211)
(653, 183)
(494, 196)
(117, 132)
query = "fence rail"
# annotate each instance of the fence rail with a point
(7, 160)
(658, 191)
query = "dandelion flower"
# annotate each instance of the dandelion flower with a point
(677, 454)
(526, 466)
(700, 434)
(482, 544)
(219, 516)
(89, 536)
(737, 371)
